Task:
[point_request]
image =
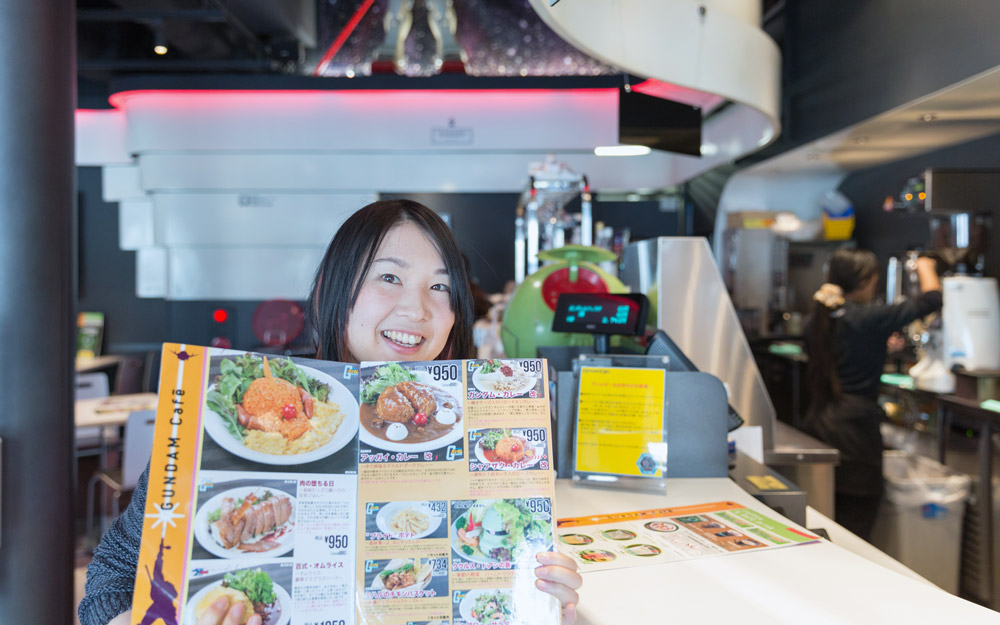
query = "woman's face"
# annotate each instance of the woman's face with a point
(403, 311)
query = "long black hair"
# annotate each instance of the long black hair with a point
(848, 269)
(347, 260)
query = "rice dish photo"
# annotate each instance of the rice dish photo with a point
(661, 526)
(251, 587)
(618, 534)
(503, 378)
(576, 539)
(597, 555)
(508, 448)
(644, 551)
(274, 408)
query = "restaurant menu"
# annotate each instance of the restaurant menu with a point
(627, 539)
(326, 493)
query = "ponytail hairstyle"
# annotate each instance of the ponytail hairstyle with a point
(848, 270)
(347, 260)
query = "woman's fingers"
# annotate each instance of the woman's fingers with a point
(235, 614)
(569, 614)
(215, 612)
(221, 613)
(558, 577)
(563, 593)
(559, 569)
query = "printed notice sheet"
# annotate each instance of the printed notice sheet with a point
(321, 493)
(620, 425)
(612, 541)
(457, 484)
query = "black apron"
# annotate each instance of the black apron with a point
(851, 424)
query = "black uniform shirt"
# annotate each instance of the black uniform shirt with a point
(860, 335)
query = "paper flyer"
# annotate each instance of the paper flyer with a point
(620, 424)
(644, 537)
(284, 483)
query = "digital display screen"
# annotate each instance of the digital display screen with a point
(605, 313)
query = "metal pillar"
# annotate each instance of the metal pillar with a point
(37, 248)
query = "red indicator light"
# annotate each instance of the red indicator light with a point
(220, 315)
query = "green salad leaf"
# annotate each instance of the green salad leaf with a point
(254, 583)
(402, 569)
(492, 606)
(491, 365)
(492, 437)
(385, 376)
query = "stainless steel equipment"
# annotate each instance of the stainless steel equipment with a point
(542, 222)
(689, 302)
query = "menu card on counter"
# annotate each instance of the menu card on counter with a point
(320, 492)
(612, 541)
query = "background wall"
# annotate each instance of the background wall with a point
(887, 234)
(483, 223)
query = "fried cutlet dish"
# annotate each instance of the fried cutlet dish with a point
(393, 406)
(419, 397)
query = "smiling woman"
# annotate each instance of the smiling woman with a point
(398, 261)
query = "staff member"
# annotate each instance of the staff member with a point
(846, 342)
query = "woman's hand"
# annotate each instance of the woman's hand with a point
(558, 577)
(220, 613)
(927, 274)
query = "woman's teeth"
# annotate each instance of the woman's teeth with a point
(402, 338)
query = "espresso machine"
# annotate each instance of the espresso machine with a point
(967, 333)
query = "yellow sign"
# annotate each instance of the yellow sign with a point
(620, 425)
(766, 482)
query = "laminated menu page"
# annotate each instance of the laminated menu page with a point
(456, 490)
(254, 491)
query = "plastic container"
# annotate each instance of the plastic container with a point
(920, 520)
(837, 216)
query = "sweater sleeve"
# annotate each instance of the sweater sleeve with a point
(889, 319)
(111, 574)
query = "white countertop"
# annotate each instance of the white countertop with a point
(819, 583)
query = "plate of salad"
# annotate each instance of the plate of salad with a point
(482, 605)
(501, 530)
(278, 412)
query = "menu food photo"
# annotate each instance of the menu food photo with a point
(319, 492)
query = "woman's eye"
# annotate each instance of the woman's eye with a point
(388, 277)
(442, 287)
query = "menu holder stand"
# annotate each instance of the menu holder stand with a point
(620, 425)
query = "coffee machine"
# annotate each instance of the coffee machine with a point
(967, 333)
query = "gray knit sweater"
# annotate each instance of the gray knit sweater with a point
(111, 574)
